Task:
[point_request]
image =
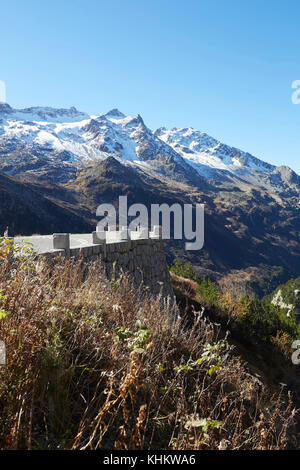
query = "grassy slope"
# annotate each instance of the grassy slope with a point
(266, 358)
(90, 366)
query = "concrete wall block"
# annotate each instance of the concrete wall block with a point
(99, 238)
(139, 234)
(156, 231)
(61, 241)
(116, 236)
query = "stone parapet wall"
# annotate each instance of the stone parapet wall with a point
(143, 260)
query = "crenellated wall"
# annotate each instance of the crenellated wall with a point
(143, 259)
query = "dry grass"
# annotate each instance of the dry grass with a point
(92, 364)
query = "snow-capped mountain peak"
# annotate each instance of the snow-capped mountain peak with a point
(42, 114)
(5, 109)
(37, 140)
(205, 154)
(115, 113)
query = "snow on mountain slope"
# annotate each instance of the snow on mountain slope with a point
(207, 154)
(43, 114)
(34, 138)
(53, 143)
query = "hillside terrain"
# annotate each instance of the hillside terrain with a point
(215, 372)
(70, 162)
(26, 211)
(89, 366)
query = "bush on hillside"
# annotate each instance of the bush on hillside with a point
(256, 321)
(184, 270)
(209, 291)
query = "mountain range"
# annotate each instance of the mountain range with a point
(58, 165)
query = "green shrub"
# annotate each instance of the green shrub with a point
(209, 291)
(263, 320)
(184, 270)
(288, 293)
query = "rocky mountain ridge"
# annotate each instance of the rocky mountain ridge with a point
(53, 144)
(76, 161)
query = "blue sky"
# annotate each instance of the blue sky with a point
(222, 66)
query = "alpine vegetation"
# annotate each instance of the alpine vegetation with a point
(89, 366)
